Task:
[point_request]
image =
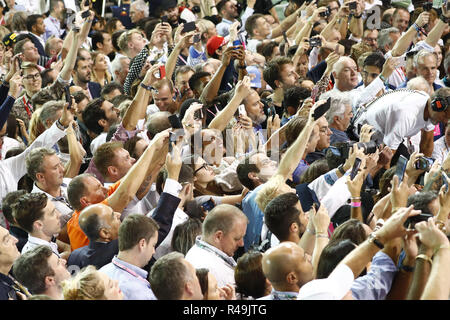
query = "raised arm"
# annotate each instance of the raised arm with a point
(321, 221)
(185, 41)
(133, 179)
(405, 40)
(221, 120)
(76, 153)
(436, 33)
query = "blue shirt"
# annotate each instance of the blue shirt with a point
(255, 218)
(377, 283)
(134, 287)
(301, 168)
(338, 136)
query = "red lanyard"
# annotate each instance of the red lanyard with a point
(134, 274)
(28, 107)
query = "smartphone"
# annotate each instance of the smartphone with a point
(242, 111)
(320, 111)
(285, 37)
(427, 6)
(326, 13)
(401, 167)
(188, 27)
(208, 205)
(175, 122)
(162, 72)
(352, 5)
(85, 14)
(236, 42)
(171, 137)
(68, 97)
(164, 19)
(444, 178)
(86, 3)
(355, 168)
(196, 38)
(411, 221)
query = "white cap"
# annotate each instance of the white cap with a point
(335, 287)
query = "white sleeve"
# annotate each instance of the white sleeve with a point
(337, 196)
(247, 13)
(369, 92)
(323, 184)
(173, 187)
(47, 139)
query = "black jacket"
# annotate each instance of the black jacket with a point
(97, 254)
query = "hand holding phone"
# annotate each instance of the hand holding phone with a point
(322, 109)
(242, 111)
(401, 168)
(188, 27)
(355, 168)
(68, 97)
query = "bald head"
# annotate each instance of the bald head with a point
(99, 222)
(157, 122)
(345, 73)
(287, 267)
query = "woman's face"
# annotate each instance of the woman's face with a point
(212, 145)
(100, 63)
(204, 173)
(214, 293)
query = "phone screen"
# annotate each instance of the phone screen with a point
(68, 96)
(355, 168)
(322, 109)
(401, 167)
(188, 27)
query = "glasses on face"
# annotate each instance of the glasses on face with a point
(30, 77)
(204, 166)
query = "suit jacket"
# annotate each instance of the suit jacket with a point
(94, 89)
(97, 254)
(37, 44)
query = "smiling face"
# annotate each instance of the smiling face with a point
(31, 80)
(347, 75)
(255, 108)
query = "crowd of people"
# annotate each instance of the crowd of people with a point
(224, 150)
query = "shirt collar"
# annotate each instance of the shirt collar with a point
(227, 21)
(206, 246)
(38, 242)
(132, 267)
(283, 295)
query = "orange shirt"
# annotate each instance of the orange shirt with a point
(76, 236)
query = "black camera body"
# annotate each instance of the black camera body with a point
(343, 150)
(427, 6)
(315, 42)
(424, 163)
(326, 13)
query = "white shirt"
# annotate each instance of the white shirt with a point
(188, 15)
(166, 245)
(61, 203)
(12, 169)
(396, 115)
(98, 141)
(33, 242)
(204, 255)
(252, 44)
(8, 144)
(441, 150)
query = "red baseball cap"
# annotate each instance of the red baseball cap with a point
(214, 43)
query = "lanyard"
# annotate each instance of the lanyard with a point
(277, 295)
(28, 107)
(227, 261)
(134, 274)
(182, 59)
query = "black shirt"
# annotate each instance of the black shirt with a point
(7, 290)
(20, 234)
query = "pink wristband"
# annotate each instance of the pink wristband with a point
(355, 204)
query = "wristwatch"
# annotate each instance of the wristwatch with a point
(341, 169)
(149, 88)
(373, 239)
(443, 18)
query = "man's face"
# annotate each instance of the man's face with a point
(30, 53)
(302, 66)
(371, 39)
(203, 82)
(447, 134)
(40, 26)
(263, 27)
(438, 52)
(255, 108)
(234, 239)
(80, 106)
(111, 113)
(122, 161)
(267, 168)
(32, 80)
(83, 71)
(324, 134)
(313, 140)
(401, 20)
(51, 224)
(135, 15)
(230, 10)
(302, 218)
(107, 43)
(304, 270)
(150, 247)
(59, 9)
(182, 84)
(94, 192)
(112, 219)
(140, 147)
(85, 55)
(288, 75)
(193, 279)
(394, 36)
(122, 75)
(369, 74)
(427, 68)
(163, 98)
(334, 8)
(172, 14)
(52, 173)
(112, 94)
(8, 249)
(344, 122)
(59, 268)
(347, 77)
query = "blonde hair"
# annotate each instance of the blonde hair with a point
(125, 37)
(35, 125)
(107, 77)
(86, 285)
(269, 191)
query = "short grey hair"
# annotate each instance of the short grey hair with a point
(384, 37)
(140, 5)
(35, 160)
(222, 218)
(339, 102)
(49, 111)
(419, 83)
(422, 54)
(338, 65)
(116, 65)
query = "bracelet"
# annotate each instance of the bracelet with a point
(441, 247)
(440, 224)
(341, 169)
(406, 268)
(416, 26)
(355, 204)
(149, 88)
(443, 18)
(321, 235)
(382, 78)
(424, 257)
(373, 239)
(310, 231)
(355, 198)
(188, 125)
(60, 126)
(357, 17)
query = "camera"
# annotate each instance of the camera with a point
(427, 6)
(343, 150)
(315, 42)
(424, 163)
(326, 13)
(352, 5)
(195, 9)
